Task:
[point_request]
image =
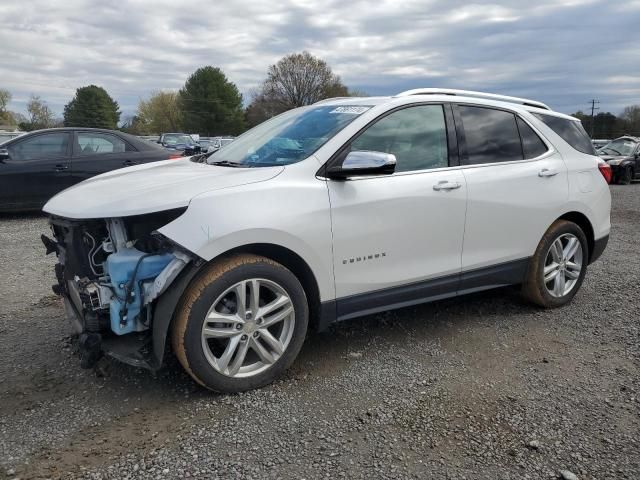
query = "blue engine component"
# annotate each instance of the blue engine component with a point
(120, 267)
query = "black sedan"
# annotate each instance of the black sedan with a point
(36, 166)
(623, 156)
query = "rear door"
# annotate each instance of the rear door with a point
(516, 183)
(99, 152)
(38, 167)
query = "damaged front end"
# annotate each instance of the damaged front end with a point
(112, 274)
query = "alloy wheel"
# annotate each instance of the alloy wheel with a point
(563, 265)
(248, 328)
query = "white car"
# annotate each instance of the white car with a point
(325, 213)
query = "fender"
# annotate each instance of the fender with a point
(165, 308)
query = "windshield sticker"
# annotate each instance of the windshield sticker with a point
(350, 110)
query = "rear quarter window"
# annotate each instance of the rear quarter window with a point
(571, 131)
(532, 144)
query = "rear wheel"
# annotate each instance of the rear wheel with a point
(558, 266)
(241, 324)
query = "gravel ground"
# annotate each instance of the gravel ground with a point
(488, 387)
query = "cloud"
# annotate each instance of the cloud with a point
(561, 52)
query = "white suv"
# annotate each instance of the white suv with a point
(336, 210)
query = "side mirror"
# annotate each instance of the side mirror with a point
(4, 155)
(363, 162)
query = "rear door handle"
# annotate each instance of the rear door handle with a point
(128, 163)
(547, 172)
(60, 168)
(446, 185)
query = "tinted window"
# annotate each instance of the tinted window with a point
(417, 136)
(92, 143)
(491, 135)
(571, 131)
(532, 144)
(48, 145)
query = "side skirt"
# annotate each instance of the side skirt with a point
(345, 308)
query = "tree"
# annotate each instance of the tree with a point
(261, 108)
(133, 125)
(301, 79)
(92, 107)
(40, 115)
(630, 117)
(294, 81)
(211, 104)
(6, 117)
(356, 92)
(159, 114)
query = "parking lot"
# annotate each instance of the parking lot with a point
(485, 387)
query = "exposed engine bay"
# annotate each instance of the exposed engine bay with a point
(110, 273)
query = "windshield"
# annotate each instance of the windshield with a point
(178, 139)
(621, 146)
(288, 138)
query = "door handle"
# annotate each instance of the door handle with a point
(547, 172)
(128, 163)
(446, 185)
(60, 168)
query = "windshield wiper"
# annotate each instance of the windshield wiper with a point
(614, 150)
(227, 163)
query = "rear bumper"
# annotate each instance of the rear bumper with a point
(598, 248)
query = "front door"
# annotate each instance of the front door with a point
(398, 238)
(38, 167)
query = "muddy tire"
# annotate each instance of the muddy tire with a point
(240, 324)
(557, 269)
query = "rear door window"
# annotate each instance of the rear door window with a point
(571, 131)
(532, 144)
(90, 143)
(491, 135)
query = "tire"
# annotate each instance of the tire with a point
(626, 176)
(551, 294)
(210, 351)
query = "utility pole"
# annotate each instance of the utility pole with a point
(593, 102)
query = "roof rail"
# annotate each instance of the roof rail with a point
(469, 93)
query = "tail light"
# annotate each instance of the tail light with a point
(605, 170)
(175, 156)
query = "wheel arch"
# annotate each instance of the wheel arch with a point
(292, 261)
(319, 316)
(584, 223)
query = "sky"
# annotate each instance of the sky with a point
(561, 52)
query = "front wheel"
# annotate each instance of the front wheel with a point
(626, 177)
(558, 266)
(240, 324)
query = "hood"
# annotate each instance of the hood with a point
(615, 159)
(152, 187)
